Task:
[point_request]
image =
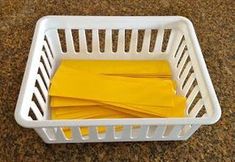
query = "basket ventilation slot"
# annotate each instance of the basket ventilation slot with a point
(72, 41)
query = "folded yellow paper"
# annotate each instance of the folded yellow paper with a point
(85, 112)
(74, 111)
(76, 84)
(178, 110)
(63, 101)
(82, 89)
(114, 67)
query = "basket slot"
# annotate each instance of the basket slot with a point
(117, 129)
(178, 39)
(54, 42)
(75, 36)
(159, 40)
(178, 45)
(146, 41)
(93, 133)
(44, 75)
(76, 134)
(195, 110)
(168, 130)
(46, 64)
(59, 134)
(187, 64)
(40, 100)
(43, 133)
(36, 111)
(31, 115)
(188, 130)
(47, 47)
(48, 52)
(135, 131)
(95, 41)
(183, 66)
(40, 105)
(121, 41)
(196, 102)
(203, 112)
(159, 132)
(151, 131)
(42, 87)
(108, 41)
(141, 33)
(133, 41)
(101, 135)
(102, 39)
(152, 39)
(109, 135)
(180, 52)
(128, 33)
(143, 131)
(185, 73)
(172, 37)
(192, 96)
(89, 38)
(188, 83)
(126, 132)
(35, 100)
(61, 33)
(44, 82)
(114, 40)
(69, 41)
(182, 58)
(182, 62)
(173, 131)
(166, 36)
(50, 131)
(82, 41)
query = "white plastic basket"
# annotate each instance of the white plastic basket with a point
(182, 51)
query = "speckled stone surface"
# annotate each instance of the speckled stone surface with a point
(214, 24)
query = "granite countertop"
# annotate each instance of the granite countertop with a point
(214, 25)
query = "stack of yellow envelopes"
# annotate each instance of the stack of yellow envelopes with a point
(82, 89)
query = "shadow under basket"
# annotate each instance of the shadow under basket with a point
(170, 38)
